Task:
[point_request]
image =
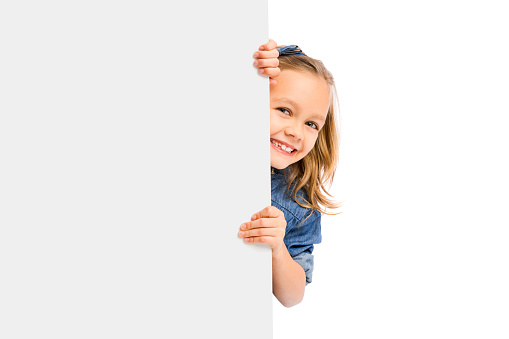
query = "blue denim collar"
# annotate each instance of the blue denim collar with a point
(274, 170)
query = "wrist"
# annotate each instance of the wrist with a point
(279, 253)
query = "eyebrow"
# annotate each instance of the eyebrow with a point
(293, 103)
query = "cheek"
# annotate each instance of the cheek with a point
(310, 142)
(275, 123)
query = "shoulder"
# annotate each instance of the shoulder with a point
(287, 204)
(303, 227)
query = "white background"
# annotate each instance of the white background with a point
(421, 248)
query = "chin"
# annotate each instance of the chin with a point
(279, 165)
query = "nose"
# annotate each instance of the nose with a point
(294, 131)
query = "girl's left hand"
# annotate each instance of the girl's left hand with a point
(267, 226)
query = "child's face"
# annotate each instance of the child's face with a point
(299, 103)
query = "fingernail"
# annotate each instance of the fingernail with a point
(262, 48)
(256, 55)
(253, 217)
(261, 70)
(241, 233)
(255, 63)
(243, 226)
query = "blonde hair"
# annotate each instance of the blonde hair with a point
(318, 167)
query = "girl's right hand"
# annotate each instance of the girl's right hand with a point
(266, 60)
(267, 227)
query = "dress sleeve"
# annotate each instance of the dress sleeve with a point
(300, 240)
(305, 259)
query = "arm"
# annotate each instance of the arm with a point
(288, 278)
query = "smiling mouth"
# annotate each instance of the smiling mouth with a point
(279, 148)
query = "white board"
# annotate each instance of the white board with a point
(133, 144)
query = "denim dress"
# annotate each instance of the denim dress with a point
(299, 237)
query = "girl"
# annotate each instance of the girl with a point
(304, 153)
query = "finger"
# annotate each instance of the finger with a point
(271, 44)
(268, 212)
(268, 46)
(269, 72)
(266, 54)
(264, 240)
(263, 223)
(266, 63)
(260, 223)
(258, 232)
(272, 81)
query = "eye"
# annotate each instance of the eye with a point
(282, 109)
(315, 125)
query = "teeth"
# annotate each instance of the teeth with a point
(283, 147)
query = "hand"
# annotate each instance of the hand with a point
(267, 226)
(267, 62)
